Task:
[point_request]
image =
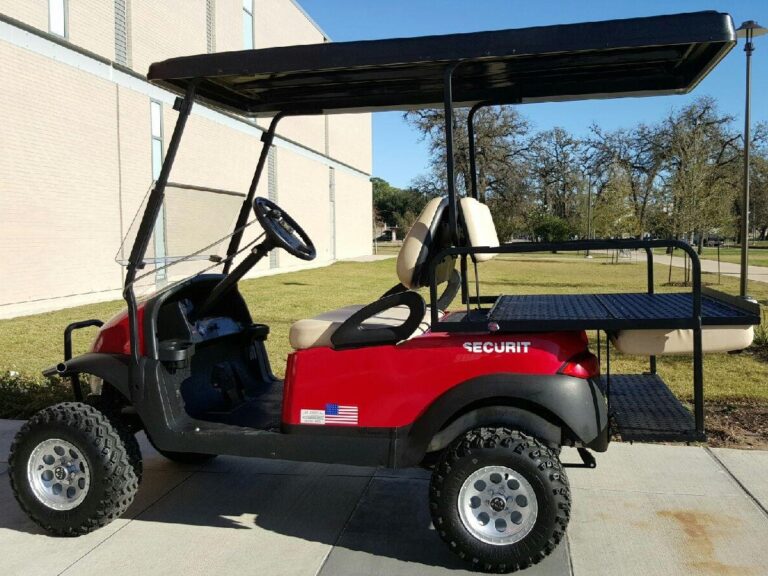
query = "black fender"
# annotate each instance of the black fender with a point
(112, 368)
(539, 405)
(510, 416)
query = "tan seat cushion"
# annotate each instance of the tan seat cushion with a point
(317, 331)
(660, 342)
(480, 227)
(412, 253)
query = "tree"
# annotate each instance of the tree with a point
(636, 158)
(613, 214)
(758, 180)
(395, 206)
(549, 228)
(678, 177)
(556, 175)
(500, 140)
(701, 167)
(501, 136)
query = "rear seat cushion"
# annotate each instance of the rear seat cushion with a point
(479, 226)
(317, 331)
(417, 245)
(660, 342)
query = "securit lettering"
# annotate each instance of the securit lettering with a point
(497, 347)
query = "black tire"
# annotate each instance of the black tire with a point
(528, 457)
(127, 435)
(131, 447)
(113, 480)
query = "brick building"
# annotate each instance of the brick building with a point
(83, 133)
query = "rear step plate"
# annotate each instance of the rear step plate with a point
(643, 409)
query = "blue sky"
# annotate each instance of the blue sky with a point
(399, 156)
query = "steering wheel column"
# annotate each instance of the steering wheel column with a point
(281, 230)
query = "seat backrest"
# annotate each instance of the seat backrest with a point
(478, 226)
(428, 235)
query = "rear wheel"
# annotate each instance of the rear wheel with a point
(500, 499)
(70, 470)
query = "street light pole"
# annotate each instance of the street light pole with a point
(747, 30)
(589, 212)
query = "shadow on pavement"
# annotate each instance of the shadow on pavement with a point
(367, 518)
(377, 522)
(379, 515)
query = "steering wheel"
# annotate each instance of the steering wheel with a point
(283, 230)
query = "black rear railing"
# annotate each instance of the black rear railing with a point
(694, 323)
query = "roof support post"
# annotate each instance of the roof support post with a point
(649, 266)
(698, 348)
(136, 258)
(234, 243)
(472, 151)
(449, 160)
(155, 201)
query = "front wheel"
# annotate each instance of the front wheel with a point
(500, 499)
(70, 469)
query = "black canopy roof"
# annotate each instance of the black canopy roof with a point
(632, 57)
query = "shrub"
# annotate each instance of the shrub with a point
(549, 228)
(21, 396)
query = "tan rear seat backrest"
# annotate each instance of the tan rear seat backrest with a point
(480, 227)
(410, 257)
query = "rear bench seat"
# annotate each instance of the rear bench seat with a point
(661, 342)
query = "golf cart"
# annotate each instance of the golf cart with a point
(484, 392)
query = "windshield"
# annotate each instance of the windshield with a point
(190, 236)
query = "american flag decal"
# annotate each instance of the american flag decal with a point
(335, 414)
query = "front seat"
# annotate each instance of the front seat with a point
(401, 313)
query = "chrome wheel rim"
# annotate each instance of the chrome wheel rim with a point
(58, 474)
(497, 505)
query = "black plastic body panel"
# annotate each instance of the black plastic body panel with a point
(112, 368)
(233, 306)
(509, 416)
(574, 405)
(171, 428)
(557, 409)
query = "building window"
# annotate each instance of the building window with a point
(122, 39)
(210, 25)
(156, 130)
(156, 113)
(57, 17)
(248, 24)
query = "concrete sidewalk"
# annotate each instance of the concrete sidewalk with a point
(370, 258)
(646, 510)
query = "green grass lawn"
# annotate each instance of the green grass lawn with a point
(757, 256)
(30, 343)
(391, 248)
